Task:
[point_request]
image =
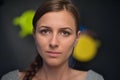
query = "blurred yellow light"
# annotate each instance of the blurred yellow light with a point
(86, 48)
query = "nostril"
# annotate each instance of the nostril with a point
(53, 45)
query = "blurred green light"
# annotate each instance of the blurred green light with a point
(25, 22)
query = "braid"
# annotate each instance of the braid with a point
(34, 67)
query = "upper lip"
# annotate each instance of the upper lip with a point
(53, 52)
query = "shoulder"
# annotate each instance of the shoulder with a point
(12, 75)
(92, 75)
(86, 75)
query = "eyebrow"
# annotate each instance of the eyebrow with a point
(66, 28)
(43, 27)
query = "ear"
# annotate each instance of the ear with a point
(78, 35)
(77, 38)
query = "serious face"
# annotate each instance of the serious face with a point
(55, 37)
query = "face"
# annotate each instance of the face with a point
(55, 37)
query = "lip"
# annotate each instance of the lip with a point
(53, 53)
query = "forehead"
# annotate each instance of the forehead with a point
(60, 18)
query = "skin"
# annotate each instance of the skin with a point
(55, 37)
(53, 31)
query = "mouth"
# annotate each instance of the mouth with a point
(53, 54)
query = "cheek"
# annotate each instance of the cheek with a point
(68, 46)
(40, 43)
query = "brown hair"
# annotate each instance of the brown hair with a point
(54, 6)
(50, 6)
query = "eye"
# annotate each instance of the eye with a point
(65, 33)
(44, 31)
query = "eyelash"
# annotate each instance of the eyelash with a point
(65, 33)
(44, 31)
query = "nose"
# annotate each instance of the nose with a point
(53, 42)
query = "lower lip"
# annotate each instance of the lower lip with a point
(53, 54)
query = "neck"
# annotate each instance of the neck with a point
(55, 73)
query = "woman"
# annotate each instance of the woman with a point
(56, 31)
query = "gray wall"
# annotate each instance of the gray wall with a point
(100, 16)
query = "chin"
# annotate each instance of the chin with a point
(53, 63)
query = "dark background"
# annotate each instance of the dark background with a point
(100, 16)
